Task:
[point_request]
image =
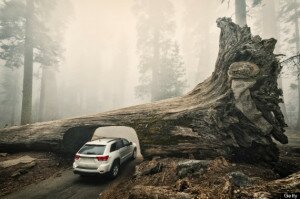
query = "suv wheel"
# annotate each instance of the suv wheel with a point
(114, 171)
(134, 153)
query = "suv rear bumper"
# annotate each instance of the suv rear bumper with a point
(102, 169)
(76, 171)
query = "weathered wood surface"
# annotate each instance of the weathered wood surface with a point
(273, 189)
(234, 113)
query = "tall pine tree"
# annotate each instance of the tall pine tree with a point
(241, 10)
(160, 63)
(25, 39)
(289, 15)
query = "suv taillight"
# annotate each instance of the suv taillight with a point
(102, 158)
(77, 157)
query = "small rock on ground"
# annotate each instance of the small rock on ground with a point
(23, 159)
(3, 154)
(239, 179)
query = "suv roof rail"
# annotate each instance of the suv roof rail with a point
(112, 138)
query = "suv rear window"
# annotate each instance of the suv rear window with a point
(92, 149)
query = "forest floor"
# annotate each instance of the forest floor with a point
(166, 178)
(219, 178)
(206, 181)
(22, 169)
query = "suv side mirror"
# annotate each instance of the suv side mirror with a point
(130, 143)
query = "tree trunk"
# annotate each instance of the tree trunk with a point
(48, 96)
(42, 96)
(155, 81)
(240, 12)
(234, 113)
(28, 66)
(14, 97)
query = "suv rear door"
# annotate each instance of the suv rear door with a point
(127, 147)
(122, 150)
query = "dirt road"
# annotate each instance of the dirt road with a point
(67, 185)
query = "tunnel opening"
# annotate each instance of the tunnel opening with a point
(119, 132)
(75, 138)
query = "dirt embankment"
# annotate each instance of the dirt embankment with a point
(22, 169)
(218, 178)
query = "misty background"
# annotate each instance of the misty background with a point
(100, 54)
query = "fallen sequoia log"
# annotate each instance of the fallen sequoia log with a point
(234, 113)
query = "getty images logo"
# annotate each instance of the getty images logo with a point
(290, 196)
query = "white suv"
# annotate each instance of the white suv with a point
(103, 156)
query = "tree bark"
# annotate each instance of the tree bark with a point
(156, 68)
(234, 113)
(42, 96)
(272, 189)
(14, 96)
(28, 66)
(240, 12)
(48, 95)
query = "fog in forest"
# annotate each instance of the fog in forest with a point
(106, 54)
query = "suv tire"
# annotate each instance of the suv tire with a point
(114, 171)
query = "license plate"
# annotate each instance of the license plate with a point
(87, 160)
